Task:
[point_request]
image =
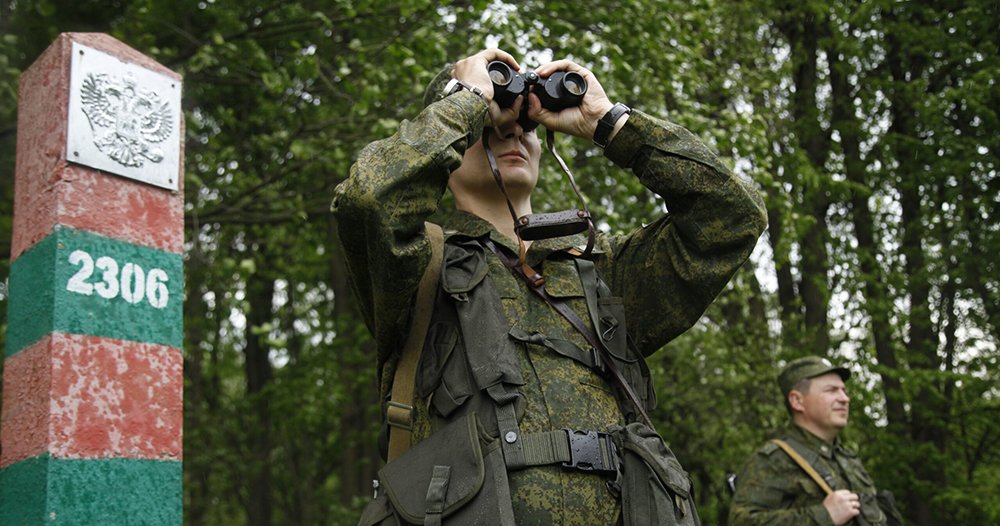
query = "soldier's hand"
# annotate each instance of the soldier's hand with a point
(473, 71)
(842, 505)
(581, 120)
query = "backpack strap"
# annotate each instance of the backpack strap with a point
(399, 410)
(803, 464)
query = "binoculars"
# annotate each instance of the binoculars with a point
(558, 91)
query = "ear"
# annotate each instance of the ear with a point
(795, 401)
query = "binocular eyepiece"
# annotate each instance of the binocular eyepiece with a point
(558, 91)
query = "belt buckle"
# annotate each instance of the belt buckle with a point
(585, 452)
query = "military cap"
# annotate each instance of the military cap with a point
(437, 84)
(808, 367)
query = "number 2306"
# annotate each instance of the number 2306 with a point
(132, 283)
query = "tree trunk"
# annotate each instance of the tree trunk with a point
(197, 505)
(259, 374)
(877, 304)
(803, 29)
(783, 267)
(927, 414)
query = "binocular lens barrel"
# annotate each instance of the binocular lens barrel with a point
(507, 83)
(558, 91)
(562, 89)
(500, 73)
(574, 83)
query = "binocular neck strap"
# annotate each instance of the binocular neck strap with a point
(499, 179)
(550, 139)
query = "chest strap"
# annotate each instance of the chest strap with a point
(591, 360)
(806, 466)
(536, 283)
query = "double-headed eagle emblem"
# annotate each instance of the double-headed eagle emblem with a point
(131, 119)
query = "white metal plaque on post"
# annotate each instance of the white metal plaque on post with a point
(123, 119)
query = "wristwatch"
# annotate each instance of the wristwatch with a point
(607, 123)
(454, 86)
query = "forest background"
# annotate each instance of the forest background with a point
(870, 126)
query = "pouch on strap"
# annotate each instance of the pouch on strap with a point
(607, 315)
(467, 350)
(655, 489)
(455, 477)
(482, 318)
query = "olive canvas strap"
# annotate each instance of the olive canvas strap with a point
(399, 410)
(806, 466)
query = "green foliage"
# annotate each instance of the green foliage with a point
(870, 127)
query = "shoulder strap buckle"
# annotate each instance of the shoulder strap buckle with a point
(399, 415)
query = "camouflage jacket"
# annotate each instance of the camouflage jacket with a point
(666, 274)
(773, 490)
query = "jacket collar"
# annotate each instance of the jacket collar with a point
(472, 226)
(816, 443)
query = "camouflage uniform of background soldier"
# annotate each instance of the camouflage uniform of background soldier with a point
(772, 489)
(515, 350)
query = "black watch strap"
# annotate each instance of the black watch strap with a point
(607, 123)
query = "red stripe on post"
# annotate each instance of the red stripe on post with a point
(105, 399)
(27, 381)
(103, 204)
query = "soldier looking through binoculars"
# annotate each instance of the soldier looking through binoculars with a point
(526, 398)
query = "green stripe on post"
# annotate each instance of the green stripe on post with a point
(23, 492)
(76, 282)
(109, 492)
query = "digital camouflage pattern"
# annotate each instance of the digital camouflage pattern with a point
(666, 273)
(773, 490)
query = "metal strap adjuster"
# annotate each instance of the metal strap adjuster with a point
(399, 415)
(598, 364)
(591, 451)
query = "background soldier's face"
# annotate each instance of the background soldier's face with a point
(827, 404)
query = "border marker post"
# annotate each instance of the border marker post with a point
(91, 424)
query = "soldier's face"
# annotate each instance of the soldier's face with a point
(517, 155)
(827, 404)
